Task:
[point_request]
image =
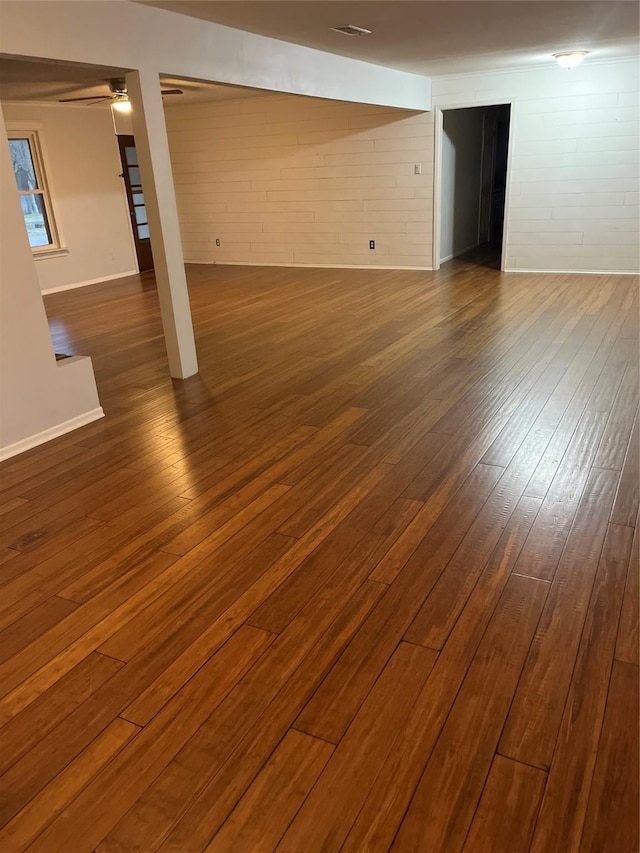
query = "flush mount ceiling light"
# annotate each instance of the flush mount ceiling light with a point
(570, 58)
(351, 30)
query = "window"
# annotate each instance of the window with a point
(32, 187)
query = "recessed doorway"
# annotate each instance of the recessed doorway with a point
(472, 184)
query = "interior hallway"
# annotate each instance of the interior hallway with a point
(369, 581)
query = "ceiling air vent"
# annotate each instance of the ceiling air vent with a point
(352, 30)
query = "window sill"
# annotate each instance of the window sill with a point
(50, 253)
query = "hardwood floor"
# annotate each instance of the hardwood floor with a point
(368, 582)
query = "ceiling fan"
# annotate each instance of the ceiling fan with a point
(117, 93)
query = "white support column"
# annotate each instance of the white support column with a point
(150, 133)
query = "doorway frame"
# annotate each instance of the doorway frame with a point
(140, 244)
(125, 202)
(438, 119)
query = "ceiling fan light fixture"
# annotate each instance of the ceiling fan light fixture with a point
(570, 58)
(122, 105)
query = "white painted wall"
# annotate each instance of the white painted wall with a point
(572, 198)
(460, 181)
(291, 180)
(572, 202)
(83, 167)
(41, 398)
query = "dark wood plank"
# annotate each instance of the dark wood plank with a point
(628, 645)
(23, 731)
(41, 580)
(45, 806)
(282, 605)
(23, 631)
(544, 547)
(332, 806)
(47, 541)
(336, 702)
(130, 773)
(192, 798)
(440, 611)
(615, 440)
(627, 503)
(45, 516)
(188, 662)
(261, 817)
(506, 813)
(46, 659)
(383, 811)
(534, 719)
(564, 805)
(555, 387)
(326, 488)
(160, 617)
(446, 798)
(584, 396)
(612, 811)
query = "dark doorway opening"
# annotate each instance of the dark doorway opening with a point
(135, 199)
(475, 143)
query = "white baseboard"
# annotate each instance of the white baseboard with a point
(87, 283)
(572, 272)
(47, 434)
(307, 266)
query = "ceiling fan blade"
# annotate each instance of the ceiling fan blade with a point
(172, 92)
(90, 98)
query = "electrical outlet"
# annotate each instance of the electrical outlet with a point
(217, 241)
(372, 244)
(417, 168)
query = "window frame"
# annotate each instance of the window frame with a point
(32, 132)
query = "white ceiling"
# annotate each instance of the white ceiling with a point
(21, 80)
(434, 38)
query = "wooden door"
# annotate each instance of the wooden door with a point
(135, 198)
